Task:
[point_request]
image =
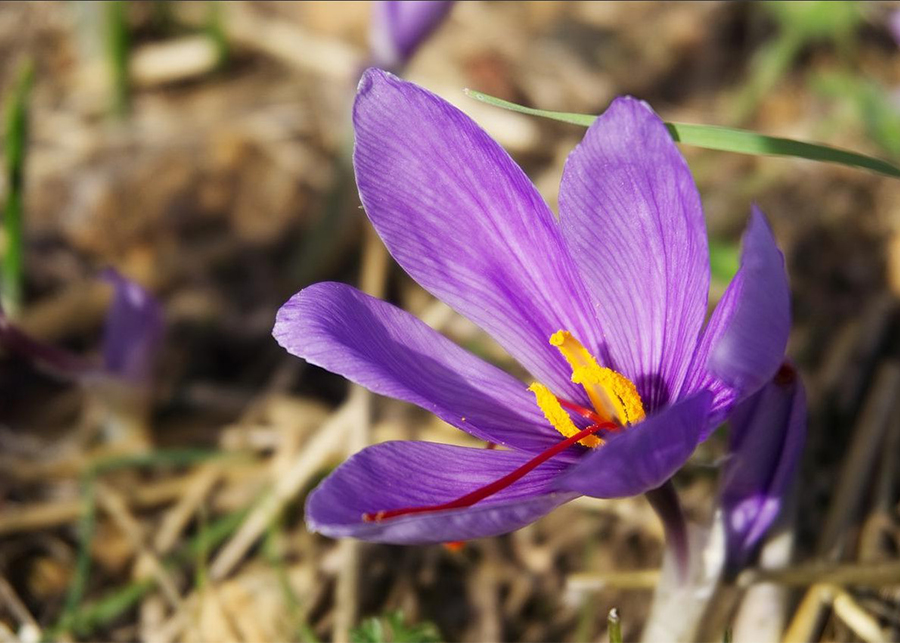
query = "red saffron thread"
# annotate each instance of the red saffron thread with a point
(582, 411)
(497, 485)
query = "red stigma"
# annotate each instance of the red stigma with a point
(497, 485)
(582, 411)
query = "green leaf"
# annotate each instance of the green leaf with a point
(725, 139)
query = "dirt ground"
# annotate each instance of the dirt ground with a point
(224, 189)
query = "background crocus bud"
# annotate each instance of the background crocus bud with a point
(398, 28)
(133, 332)
(768, 431)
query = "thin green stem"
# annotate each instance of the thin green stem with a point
(614, 625)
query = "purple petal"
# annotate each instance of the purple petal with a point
(631, 214)
(392, 353)
(642, 457)
(398, 28)
(466, 223)
(768, 431)
(395, 475)
(745, 340)
(134, 328)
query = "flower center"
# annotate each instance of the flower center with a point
(614, 397)
(616, 404)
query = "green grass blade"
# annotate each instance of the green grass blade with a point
(118, 45)
(744, 142)
(725, 139)
(584, 120)
(215, 30)
(161, 457)
(77, 587)
(15, 150)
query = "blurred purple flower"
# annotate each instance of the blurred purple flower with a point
(894, 26)
(398, 28)
(622, 279)
(768, 431)
(134, 326)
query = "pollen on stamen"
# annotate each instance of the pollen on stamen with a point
(557, 416)
(613, 395)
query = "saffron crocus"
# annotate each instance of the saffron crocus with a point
(768, 431)
(605, 309)
(132, 333)
(398, 28)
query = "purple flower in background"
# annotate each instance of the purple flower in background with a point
(132, 334)
(767, 435)
(894, 26)
(398, 28)
(605, 309)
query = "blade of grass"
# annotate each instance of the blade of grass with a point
(215, 30)
(164, 457)
(16, 148)
(77, 587)
(201, 574)
(118, 43)
(724, 139)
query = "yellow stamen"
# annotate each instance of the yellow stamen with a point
(613, 395)
(557, 415)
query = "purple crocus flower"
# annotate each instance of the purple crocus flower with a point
(398, 28)
(132, 334)
(605, 308)
(768, 431)
(894, 26)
